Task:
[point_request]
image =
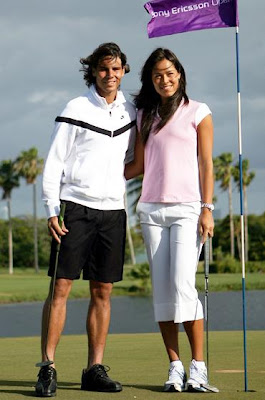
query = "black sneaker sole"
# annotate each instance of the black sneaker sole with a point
(42, 394)
(45, 395)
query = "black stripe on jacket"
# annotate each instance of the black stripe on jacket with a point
(95, 128)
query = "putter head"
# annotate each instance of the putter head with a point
(44, 364)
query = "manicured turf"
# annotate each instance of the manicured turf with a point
(25, 285)
(139, 362)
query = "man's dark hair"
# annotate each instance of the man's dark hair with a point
(149, 100)
(104, 50)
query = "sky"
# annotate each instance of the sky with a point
(41, 44)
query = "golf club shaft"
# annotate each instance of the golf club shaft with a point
(58, 245)
(206, 274)
(52, 285)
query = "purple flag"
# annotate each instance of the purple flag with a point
(176, 16)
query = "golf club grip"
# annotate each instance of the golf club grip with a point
(61, 215)
(206, 256)
(60, 220)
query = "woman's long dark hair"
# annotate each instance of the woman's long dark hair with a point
(148, 99)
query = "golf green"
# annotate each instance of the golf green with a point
(139, 362)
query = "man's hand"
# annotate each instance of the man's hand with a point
(206, 224)
(55, 230)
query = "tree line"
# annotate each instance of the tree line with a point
(23, 242)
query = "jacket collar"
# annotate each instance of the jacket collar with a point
(101, 101)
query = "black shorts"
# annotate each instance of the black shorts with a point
(95, 244)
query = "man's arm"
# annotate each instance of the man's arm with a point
(136, 167)
(61, 144)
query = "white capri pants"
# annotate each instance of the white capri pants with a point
(173, 244)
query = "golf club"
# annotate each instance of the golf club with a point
(206, 280)
(52, 287)
(208, 387)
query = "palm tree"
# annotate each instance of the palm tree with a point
(9, 179)
(247, 177)
(223, 172)
(29, 166)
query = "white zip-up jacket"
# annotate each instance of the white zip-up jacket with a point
(91, 142)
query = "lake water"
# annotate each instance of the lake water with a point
(135, 314)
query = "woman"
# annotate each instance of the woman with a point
(174, 150)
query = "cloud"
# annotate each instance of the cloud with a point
(48, 97)
(256, 103)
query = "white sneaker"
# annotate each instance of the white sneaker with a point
(177, 378)
(198, 380)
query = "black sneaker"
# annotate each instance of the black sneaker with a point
(47, 382)
(96, 379)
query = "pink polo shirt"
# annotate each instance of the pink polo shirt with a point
(171, 173)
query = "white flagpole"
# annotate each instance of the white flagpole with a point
(241, 209)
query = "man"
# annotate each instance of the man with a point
(92, 140)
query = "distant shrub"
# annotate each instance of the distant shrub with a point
(140, 274)
(230, 265)
(226, 264)
(255, 266)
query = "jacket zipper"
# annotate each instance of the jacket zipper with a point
(107, 178)
(111, 131)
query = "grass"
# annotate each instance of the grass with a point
(25, 285)
(139, 362)
(229, 281)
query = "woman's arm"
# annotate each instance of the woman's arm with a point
(136, 167)
(205, 147)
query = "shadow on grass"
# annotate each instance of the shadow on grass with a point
(30, 387)
(152, 388)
